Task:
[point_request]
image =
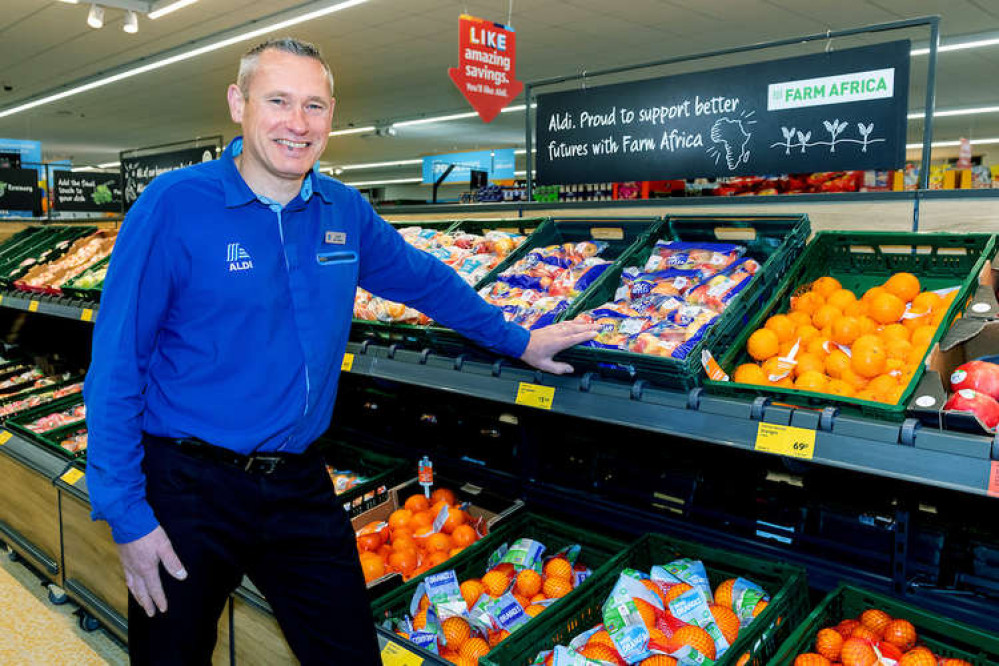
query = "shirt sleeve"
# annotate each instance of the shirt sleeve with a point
(134, 302)
(393, 269)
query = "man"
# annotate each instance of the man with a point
(215, 365)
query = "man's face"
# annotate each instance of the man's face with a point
(286, 116)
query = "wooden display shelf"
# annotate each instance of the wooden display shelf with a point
(29, 516)
(258, 637)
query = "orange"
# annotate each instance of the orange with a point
(828, 643)
(658, 660)
(950, 661)
(438, 557)
(695, 637)
(865, 632)
(875, 618)
(845, 330)
(811, 659)
(856, 309)
(474, 648)
(558, 567)
(727, 621)
(647, 611)
(653, 588)
(420, 620)
(723, 593)
(417, 503)
(807, 303)
(442, 495)
(901, 634)
(857, 652)
(369, 542)
(455, 631)
(919, 656)
(676, 590)
(853, 379)
(886, 308)
(839, 387)
(782, 326)
(846, 627)
(421, 519)
(882, 384)
(556, 587)
(455, 517)
(528, 583)
(903, 285)
(806, 333)
(841, 298)
(471, 590)
(373, 568)
(495, 583)
(534, 609)
(898, 349)
(836, 363)
(867, 325)
(868, 361)
(403, 561)
(774, 369)
(600, 652)
(895, 332)
(812, 380)
(437, 542)
(808, 361)
(749, 373)
(437, 507)
(825, 286)
(464, 536)
(785, 347)
(928, 300)
(825, 316)
(400, 518)
(918, 315)
(923, 336)
(872, 293)
(817, 346)
(799, 318)
(602, 637)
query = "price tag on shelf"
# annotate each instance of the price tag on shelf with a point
(33, 306)
(1, 298)
(87, 315)
(348, 363)
(71, 476)
(993, 488)
(4, 437)
(785, 440)
(394, 654)
(533, 395)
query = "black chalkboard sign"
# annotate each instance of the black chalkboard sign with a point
(18, 189)
(138, 172)
(83, 192)
(824, 112)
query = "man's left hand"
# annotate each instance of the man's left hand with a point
(550, 340)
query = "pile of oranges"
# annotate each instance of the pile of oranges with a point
(861, 641)
(834, 342)
(407, 543)
(534, 591)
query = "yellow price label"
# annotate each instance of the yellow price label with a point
(394, 654)
(4, 437)
(785, 440)
(1, 298)
(348, 363)
(87, 314)
(33, 306)
(533, 395)
(71, 476)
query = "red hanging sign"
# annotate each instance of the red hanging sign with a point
(487, 66)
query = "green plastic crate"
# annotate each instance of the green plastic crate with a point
(17, 423)
(945, 637)
(28, 246)
(597, 552)
(45, 250)
(784, 583)
(8, 398)
(92, 294)
(861, 260)
(18, 242)
(775, 241)
(52, 440)
(386, 332)
(382, 471)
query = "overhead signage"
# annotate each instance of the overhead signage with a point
(138, 172)
(486, 71)
(29, 151)
(86, 192)
(499, 164)
(824, 112)
(18, 189)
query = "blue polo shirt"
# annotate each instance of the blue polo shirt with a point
(225, 317)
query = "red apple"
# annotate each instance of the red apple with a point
(984, 407)
(977, 375)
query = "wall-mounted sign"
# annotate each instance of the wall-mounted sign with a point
(138, 172)
(825, 112)
(497, 163)
(86, 192)
(18, 189)
(486, 71)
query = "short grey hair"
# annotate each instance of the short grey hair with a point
(248, 63)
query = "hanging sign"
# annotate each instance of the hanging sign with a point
(138, 172)
(825, 112)
(86, 192)
(18, 188)
(486, 71)
(498, 163)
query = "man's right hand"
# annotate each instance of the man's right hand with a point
(141, 560)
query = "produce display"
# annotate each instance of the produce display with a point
(665, 307)
(872, 638)
(471, 255)
(539, 287)
(462, 621)
(667, 616)
(39, 398)
(76, 442)
(58, 419)
(833, 341)
(975, 387)
(80, 256)
(344, 480)
(92, 278)
(424, 533)
(23, 375)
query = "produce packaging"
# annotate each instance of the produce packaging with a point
(80, 256)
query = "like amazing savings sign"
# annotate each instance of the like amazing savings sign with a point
(486, 73)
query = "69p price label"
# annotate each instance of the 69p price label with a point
(785, 440)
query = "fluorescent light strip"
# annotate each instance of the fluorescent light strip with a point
(978, 43)
(438, 119)
(385, 182)
(353, 130)
(172, 7)
(916, 115)
(378, 165)
(180, 57)
(951, 144)
(108, 165)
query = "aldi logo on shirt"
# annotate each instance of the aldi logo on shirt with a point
(238, 258)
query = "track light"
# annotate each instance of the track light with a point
(95, 18)
(131, 25)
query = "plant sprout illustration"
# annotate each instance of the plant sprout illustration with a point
(835, 129)
(731, 137)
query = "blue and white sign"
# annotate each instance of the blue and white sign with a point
(31, 158)
(499, 164)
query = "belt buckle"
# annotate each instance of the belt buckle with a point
(264, 464)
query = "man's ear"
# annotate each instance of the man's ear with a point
(236, 103)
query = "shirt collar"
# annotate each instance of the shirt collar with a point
(238, 193)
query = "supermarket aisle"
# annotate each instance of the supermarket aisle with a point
(35, 632)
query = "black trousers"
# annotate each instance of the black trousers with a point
(285, 530)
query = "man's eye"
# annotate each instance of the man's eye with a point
(316, 107)
(276, 100)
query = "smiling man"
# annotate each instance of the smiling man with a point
(216, 358)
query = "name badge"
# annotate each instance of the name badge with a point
(335, 238)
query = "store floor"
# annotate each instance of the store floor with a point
(34, 632)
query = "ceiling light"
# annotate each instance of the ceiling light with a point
(378, 165)
(95, 17)
(386, 182)
(131, 25)
(978, 43)
(71, 2)
(951, 144)
(108, 165)
(353, 130)
(180, 57)
(170, 7)
(437, 119)
(955, 112)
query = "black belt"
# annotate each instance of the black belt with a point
(256, 463)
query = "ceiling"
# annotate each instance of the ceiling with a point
(390, 59)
